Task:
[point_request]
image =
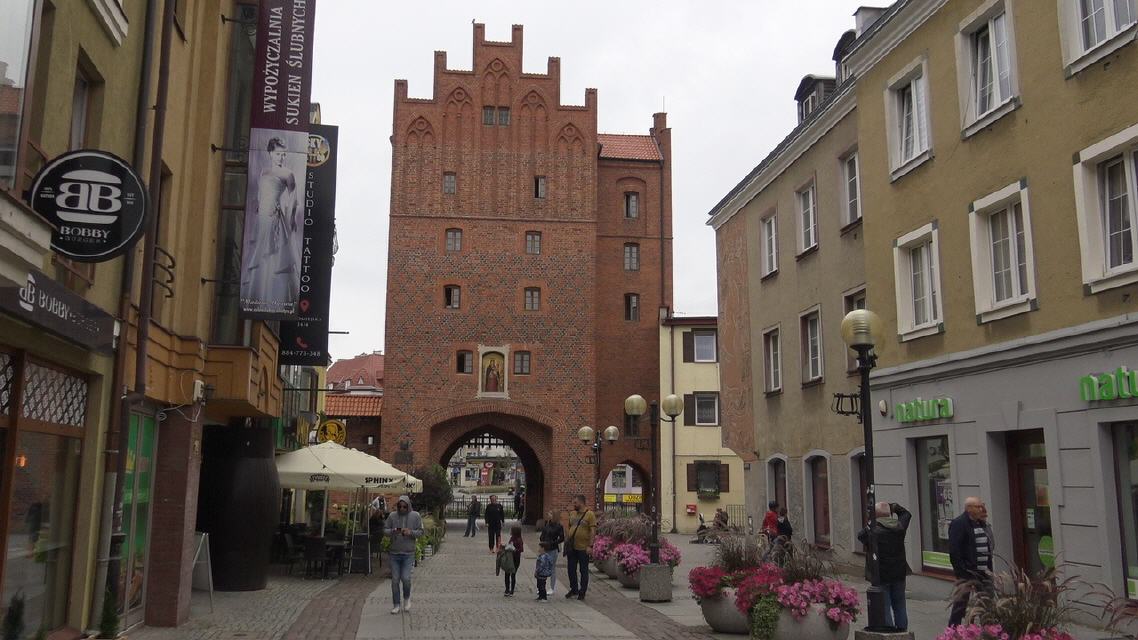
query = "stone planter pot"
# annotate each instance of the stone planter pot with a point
(628, 581)
(815, 626)
(723, 616)
(611, 568)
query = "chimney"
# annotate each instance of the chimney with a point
(659, 121)
(864, 18)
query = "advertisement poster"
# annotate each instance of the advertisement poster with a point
(278, 153)
(304, 341)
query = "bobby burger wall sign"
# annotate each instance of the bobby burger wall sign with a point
(95, 200)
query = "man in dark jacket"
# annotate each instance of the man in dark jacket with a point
(970, 548)
(890, 524)
(495, 516)
(472, 514)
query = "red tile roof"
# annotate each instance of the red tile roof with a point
(368, 366)
(347, 405)
(628, 147)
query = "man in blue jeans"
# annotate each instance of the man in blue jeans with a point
(889, 527)
(403, 526)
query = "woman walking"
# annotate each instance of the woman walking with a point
(553, 534)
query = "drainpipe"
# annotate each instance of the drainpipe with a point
(114, 464)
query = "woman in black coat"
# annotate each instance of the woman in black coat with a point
(553, 534)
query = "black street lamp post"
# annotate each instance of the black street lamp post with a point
(860, 330)
(596, 440)
(634, 405)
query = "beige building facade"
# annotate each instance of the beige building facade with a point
(998, 141)
(698, 473)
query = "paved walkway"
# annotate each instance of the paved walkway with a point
(456, 596)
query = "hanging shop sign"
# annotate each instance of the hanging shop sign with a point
(95, 201)
(42, 302)
(304, 341)
(332, 431)
(278, 153)
(1119, 384)
(920, 410)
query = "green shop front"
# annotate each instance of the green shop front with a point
(1044, 431)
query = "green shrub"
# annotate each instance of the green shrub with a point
(437, 491)
(764, 617)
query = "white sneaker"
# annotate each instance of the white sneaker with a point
(396, 609)
(407, 604)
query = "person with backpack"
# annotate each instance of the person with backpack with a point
(582, 526)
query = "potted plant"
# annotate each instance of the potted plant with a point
(630, 556)
(1017, 605)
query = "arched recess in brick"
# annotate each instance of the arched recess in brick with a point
(535, 122)
(420, 132)
(570, 140)
(457, 118)
(645, 478)
(530, 439)
(496, 84)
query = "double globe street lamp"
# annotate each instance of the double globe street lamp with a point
(861, 330)
(596, 440)
(673, 406)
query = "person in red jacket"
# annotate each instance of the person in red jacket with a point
(770, 521)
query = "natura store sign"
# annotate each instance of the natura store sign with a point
(1119, 384)
(921, 410)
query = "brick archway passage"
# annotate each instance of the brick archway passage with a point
(530, 440)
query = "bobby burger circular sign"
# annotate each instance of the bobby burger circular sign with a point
(95, 200)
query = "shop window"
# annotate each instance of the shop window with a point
(937, 506)
(818, 471)
(1126, 469)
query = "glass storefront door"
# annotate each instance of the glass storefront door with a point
(1126, 469)
(137, 490)
(1030, 498)
(937, 507)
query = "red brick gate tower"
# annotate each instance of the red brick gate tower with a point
(529, 257)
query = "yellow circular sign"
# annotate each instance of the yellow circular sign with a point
(332, 430)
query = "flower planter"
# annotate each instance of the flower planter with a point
(814, 626)
(611, 568)
(722, 615)
(628, 581)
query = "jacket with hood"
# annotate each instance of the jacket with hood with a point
(890, 533)
(397, 521)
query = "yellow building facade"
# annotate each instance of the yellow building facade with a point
(698, 473)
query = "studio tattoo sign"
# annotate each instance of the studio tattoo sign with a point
(278, 153)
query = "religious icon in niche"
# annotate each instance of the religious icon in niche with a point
(493, 373)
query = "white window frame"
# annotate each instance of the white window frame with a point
(980, 214)
(768, 248)
(1097, 275)
(631, 256)
(973, 120)
(807, 217)
(453, 238)
(452, 300)
(1076, 54)
(808, 349)
(539, 187)
(914, 78)
(704, 395)
(706, 334)
(907, 328)
(772, 363)
(849, 297)
(851, 203)
(531, 298)
(533, 243)
(450, 183)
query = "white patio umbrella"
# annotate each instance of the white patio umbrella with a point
(328, 465)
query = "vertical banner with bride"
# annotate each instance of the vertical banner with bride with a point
(278, 153)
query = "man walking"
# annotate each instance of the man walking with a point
(495, 516)
(403, 526)
(970, 548)
(890, 524)
(472, 514)
(582, 525)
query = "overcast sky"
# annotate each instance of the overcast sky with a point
(725, 72)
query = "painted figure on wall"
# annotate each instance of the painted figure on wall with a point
(493, 373)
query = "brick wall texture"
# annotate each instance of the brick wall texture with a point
(585, 356)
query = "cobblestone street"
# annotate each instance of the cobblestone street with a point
(456, 596)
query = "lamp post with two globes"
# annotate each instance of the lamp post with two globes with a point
(673, 406)
(596, 440)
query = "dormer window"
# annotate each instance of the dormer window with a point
(807, 105)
